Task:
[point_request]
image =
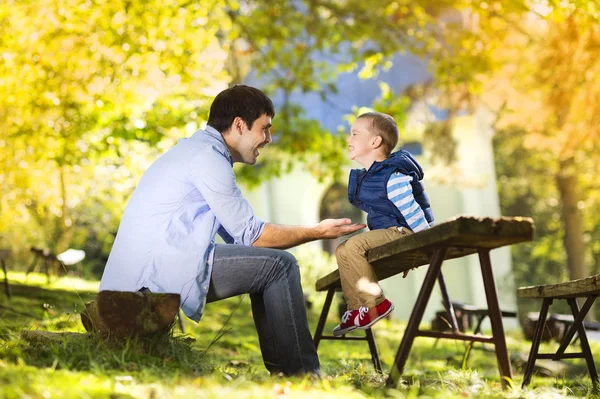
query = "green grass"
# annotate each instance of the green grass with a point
(220, 357)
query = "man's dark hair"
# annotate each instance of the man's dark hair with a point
(247, 102)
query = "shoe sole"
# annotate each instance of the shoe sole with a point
(381, 316)
(345, 331)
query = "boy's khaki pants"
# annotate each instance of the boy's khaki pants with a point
(359, 283)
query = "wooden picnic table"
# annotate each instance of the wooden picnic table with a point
(456, 238)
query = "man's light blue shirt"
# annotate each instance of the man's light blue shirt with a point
(166, 238)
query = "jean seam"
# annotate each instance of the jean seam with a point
(256, 277)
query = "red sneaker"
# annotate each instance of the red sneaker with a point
(347, 323)
(369, 316)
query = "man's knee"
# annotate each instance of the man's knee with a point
(287, 260)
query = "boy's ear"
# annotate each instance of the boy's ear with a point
(377, 141)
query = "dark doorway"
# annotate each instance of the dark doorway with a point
(335, 205)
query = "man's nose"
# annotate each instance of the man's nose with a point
(268, 138)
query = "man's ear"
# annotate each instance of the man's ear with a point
(238, 125)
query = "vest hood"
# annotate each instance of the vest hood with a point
(406, 164)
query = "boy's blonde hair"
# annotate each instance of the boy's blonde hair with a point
(384, 126)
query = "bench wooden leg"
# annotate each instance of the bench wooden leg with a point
(374, 351)
(578, 317)
(416, 316)
(476, 331)
(448, 303)
(585, 345)
(535, 342)
(495, 316)
(369, 336)
(323, 317)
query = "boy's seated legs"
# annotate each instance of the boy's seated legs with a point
(359, 282)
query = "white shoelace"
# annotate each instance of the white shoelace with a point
(362, 311)
(346, 316)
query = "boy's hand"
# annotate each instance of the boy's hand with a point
(334, 228)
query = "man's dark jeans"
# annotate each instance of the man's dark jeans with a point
(272, 278)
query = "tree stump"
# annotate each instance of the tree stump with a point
(126, 314)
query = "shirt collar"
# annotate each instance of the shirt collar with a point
(211, 131)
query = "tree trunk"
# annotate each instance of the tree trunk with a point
(572, 219)
(66, 228)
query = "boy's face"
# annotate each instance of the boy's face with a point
(360, 140)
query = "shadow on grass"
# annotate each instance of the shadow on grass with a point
(157, 356)
(30, 305)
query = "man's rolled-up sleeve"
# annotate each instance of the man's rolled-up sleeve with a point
(212, 174)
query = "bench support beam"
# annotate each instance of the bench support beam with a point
(578, 320)
(535, 342)
(416, 316)
(494, 313)
(585, 345)
(495, 316)
(448, 304)
(369, 336)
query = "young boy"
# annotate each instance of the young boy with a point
(390, 191)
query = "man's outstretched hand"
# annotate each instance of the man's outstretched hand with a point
(334, 228)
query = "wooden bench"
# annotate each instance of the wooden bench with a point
(50, 263)
(588, 288)
(467, 316)
(556, 326)
(456, 238)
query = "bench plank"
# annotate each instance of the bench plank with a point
(463, 235)
(570, 289)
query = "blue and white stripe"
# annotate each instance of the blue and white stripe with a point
(400, 193)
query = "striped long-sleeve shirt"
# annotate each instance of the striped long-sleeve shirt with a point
(399, 191)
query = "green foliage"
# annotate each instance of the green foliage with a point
(528, 188)
(548, 122)
(87, 83)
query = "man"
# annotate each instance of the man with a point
(165, 241)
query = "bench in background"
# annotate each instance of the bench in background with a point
(588, 288)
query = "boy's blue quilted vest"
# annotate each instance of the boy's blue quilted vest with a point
(367, 190)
